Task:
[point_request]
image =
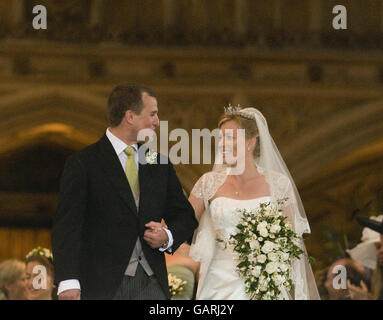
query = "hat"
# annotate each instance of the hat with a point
(365, 252)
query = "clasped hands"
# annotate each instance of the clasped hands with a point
(155, 235)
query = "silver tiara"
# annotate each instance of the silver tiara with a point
(232, 110)
(239, 112)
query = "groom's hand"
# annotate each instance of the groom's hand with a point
(155, 235)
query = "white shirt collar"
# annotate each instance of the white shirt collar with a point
(118, 145)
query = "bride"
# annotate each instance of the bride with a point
(262, 177)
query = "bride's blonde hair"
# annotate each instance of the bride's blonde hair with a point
(250, 127)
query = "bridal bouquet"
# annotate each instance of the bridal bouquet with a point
(176, 285)
(265, 245)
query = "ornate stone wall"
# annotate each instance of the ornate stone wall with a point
(321, 94)
(261, 24)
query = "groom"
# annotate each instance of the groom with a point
(107, 237)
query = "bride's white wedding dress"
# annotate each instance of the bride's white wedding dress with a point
(222, 281)
(218, 278)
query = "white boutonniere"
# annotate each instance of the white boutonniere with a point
(151, 157)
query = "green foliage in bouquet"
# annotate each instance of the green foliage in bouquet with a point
(265, 246)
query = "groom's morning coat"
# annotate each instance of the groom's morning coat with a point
(96, 224)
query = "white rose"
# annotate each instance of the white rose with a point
(278, 279)
(260, 239)
(263, 232)
(289, 226)
(285, 256)
(267, 247)
(284, 267)
(261, 258)
(275, 228)
(256, 271)
(262, 225)
(254, 244)
(271, 268)
(272, 256)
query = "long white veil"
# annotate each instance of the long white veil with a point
(281, 184)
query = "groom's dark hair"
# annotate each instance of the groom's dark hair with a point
(126, 96)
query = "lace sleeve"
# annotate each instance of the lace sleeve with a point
(208, 185)
(292, 209)
(197, 189)
(279, 184)
(281, 188)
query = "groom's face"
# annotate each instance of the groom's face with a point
(148, 117)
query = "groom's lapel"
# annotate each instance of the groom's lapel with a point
(115, 173)
(145, 176)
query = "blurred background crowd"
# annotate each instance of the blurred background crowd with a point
(363, 266)
(358, 275)
(31, 279)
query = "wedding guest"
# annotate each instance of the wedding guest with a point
(40, 274)
(355, 274)
(369, 253)
(13, 282)
(361, 292)
(183, 267)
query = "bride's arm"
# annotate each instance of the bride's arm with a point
(198, 205)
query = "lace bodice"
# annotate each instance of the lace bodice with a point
(210, 182)
(280, 188)
(225, 216)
